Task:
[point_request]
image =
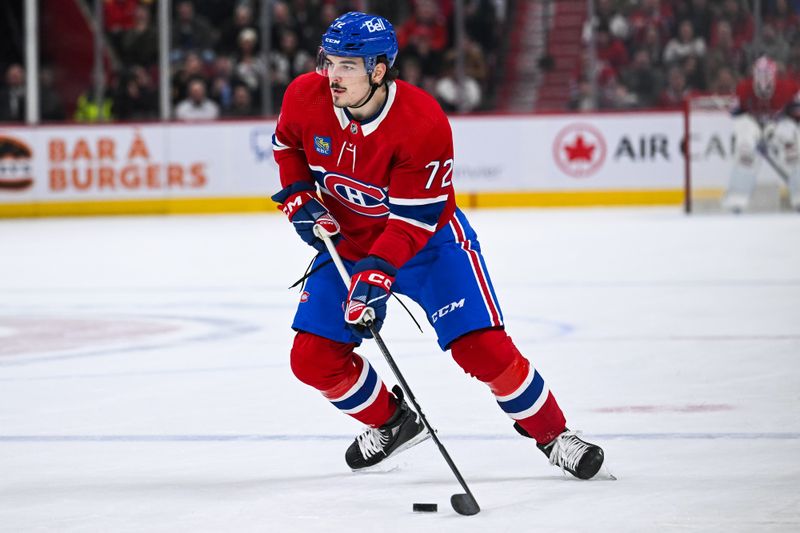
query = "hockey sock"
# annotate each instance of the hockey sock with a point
(520, 391)
(345, 378)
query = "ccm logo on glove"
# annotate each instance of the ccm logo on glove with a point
(378, 278)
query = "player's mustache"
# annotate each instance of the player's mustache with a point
(336, 86)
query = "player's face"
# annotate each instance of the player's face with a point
(348, 80)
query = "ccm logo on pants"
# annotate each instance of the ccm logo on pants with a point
(449, 308)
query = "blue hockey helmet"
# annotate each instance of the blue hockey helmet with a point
(356, 34)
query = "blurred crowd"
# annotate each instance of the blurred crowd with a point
(652, 53)
(217, 64)
(649, 53)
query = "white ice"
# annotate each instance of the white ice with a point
(145, 385)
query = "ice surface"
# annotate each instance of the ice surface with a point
(144, 383)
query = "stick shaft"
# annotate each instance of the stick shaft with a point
(337, 260)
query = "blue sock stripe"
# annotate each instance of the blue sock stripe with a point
(525, 400)
(362, 394)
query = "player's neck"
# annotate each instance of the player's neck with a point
(372, 107)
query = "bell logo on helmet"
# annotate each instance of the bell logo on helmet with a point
(374, 25)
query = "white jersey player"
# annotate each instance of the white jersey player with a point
(765, 124)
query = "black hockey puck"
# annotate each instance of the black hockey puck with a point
(425, 507)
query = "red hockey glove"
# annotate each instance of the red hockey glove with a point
(369, 291)
(301, 205)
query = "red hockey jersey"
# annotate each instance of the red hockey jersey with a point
(763, 109)
(387, 180)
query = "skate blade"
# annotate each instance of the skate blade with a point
(605, 474)
(389, 464)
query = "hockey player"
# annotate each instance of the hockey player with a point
(765, 122)
(364, 153)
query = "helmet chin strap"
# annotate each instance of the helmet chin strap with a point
(373, 89)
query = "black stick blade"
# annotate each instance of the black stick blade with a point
(464, 504)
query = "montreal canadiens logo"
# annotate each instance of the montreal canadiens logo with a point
(16, 169)
(367, 200)
(579, 150)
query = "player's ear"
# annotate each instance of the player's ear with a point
(378, 73)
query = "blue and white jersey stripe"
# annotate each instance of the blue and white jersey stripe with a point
(420, 212)
(363, 392)
(527, 399)
(277, 145)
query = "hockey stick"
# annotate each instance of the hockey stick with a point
(761, 146)
(464, 504)
(763, 149)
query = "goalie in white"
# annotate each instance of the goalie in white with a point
(765, 123)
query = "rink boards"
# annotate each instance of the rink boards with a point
(519, 160)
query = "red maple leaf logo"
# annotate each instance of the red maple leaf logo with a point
(579, 150)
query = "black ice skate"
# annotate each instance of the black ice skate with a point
(569, 452)
(401, 432)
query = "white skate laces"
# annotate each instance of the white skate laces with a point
(371, 442)
(567, 451)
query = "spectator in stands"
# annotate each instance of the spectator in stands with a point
(724, 83)
(607, 14)
(307, 15)
(474, 61)
(197, 106)
(453, 96)
(616, 96)
(581, 97)
(12, 96)
(88, 109)
(651, 14)
(702, 16)
(694, 73)
(242, 19)
(242, 103)
(118, 17)
(327, 16)
(135, 99)
(642, 80)
(651, 43)
(411, 71)
(684, 44)
(426, 27)
(430, 60)
(582, 72)
(610, 49)
(772, 44)
(784, 19)
(250, 66)
(793, 63)
(723, 51)
(676, 91)
(282, 20)
(192, 69)
(289, 61)
(223, 83)
(481, 24)
(139, 45)
(741, 22)
(191, 32)
(51, 108)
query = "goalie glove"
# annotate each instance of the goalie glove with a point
(370, 287)
(299, 202)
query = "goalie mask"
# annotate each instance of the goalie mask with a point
(355, 35)
(764, 73)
